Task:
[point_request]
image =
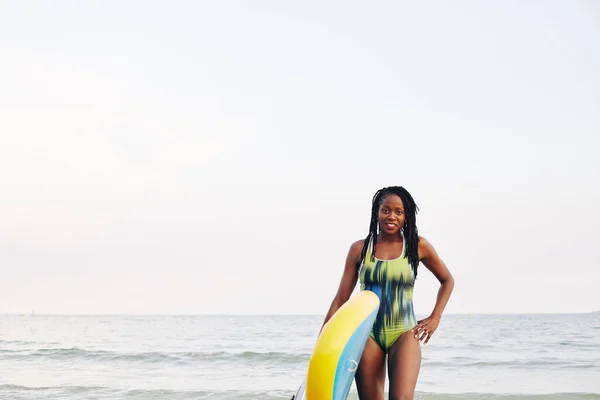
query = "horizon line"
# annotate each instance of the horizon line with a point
(234, 314)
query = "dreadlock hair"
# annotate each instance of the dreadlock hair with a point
(411, 234)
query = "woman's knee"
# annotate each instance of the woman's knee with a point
(402, 397)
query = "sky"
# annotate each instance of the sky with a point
(221, 157)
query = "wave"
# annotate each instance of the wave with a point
(26, 343)
(73, 354)
(494, 396)
(528, 364)
(141, 394)
(166, 394)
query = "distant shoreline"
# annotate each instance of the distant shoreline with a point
(266, 315)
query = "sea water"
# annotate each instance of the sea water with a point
(510, 357)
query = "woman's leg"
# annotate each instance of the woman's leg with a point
(370, 376)
(404, 363)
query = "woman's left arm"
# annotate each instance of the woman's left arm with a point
(429, 257)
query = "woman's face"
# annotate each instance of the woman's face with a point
(391, 214)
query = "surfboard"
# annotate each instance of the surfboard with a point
(338, 349)
(300, 393)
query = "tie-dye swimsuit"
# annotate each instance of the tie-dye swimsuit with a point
(393, 282)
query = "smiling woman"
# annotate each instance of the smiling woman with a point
(386, 263)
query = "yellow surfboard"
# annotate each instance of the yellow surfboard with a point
(338, 350)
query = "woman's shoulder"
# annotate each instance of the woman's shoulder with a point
(355, 251)
(356, 247)
(425, 247)
(358, 244)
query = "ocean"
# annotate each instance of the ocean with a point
(508, 357)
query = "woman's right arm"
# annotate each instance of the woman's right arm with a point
(348, 281)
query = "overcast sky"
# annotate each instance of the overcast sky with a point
(221, 156)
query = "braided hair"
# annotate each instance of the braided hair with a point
(411, 234)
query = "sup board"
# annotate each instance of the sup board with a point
(338, 350)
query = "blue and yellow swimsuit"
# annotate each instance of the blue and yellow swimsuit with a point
(393, 282)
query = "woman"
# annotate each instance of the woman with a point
(386, 263)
